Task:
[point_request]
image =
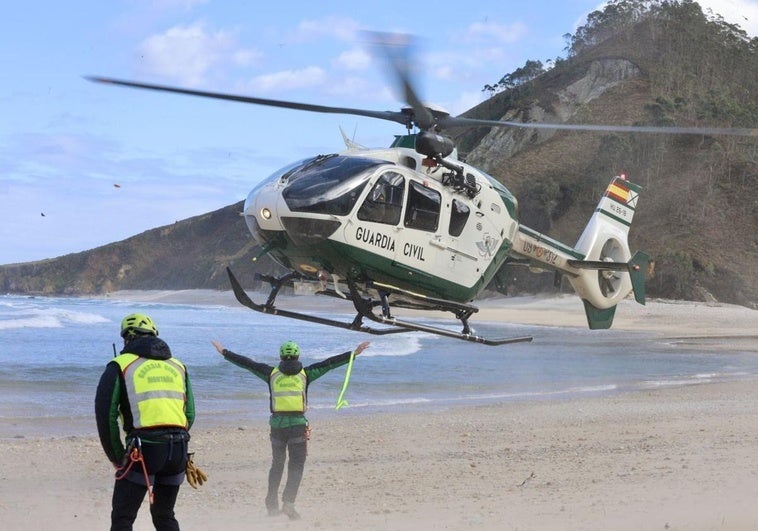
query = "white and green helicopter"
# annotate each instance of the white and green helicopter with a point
(411, 226)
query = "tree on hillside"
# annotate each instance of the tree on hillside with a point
(518, 77)
(704, 44)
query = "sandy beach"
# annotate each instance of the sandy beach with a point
(677, 458)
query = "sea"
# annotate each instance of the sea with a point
(53, 351)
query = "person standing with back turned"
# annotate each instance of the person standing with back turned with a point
(288, 387)
(151, 392)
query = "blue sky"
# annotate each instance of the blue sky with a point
(65, 143)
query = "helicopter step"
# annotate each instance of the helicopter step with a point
(365, 308)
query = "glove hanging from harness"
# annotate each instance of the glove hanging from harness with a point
(195, 476)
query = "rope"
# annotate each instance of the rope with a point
(341, 400)
(307, 437)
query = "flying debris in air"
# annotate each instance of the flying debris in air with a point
(117, 186)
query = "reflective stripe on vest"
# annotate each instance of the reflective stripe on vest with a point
(156, 390)
(287, 392)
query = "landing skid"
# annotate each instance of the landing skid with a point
(365, 306)
(268, 307)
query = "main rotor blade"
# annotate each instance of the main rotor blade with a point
(423, 118)
(396, 49)
(391, 116)
(452, 121)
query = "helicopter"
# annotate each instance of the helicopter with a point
(412, 226)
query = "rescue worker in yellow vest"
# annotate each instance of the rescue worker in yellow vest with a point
(150, 391)
(288, 388)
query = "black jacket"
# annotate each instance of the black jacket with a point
(112, 401)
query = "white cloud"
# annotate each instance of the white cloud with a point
(311, 76)
(444, 72)
(494, 32)
(244, 57)
(744, 13)
(459, 65)
(186, 54)
(466, 100)
(355, 59)
(340, 28)
(185, 5)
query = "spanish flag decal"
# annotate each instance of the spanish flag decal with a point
(618, 190)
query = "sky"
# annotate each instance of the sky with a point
(85, 164)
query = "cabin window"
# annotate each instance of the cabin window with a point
(423, 210)
(385, 200)
(458, 216)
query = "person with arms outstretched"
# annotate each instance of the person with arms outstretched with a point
(288, 389)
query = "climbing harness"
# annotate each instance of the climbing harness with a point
(134, 451)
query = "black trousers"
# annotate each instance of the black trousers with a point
(166, 463)
(286, 440)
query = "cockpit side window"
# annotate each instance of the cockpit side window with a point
(385, 200)
(458, 217)
(423, 210)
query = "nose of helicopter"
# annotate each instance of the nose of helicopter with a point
(269, 219)
(260, 212)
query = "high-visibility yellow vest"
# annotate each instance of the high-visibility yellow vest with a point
(287, 392)
(156, 390)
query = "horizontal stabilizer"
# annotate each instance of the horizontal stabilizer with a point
(636, 267)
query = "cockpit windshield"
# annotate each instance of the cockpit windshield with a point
(328, 184)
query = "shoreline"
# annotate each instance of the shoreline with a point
(36, 429)
(685, 318)
(679, 458)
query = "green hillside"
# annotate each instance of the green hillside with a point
(698, 214)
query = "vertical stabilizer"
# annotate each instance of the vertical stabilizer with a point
(608, 272)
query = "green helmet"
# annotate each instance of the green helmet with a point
(138, 324)
(289, 350)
